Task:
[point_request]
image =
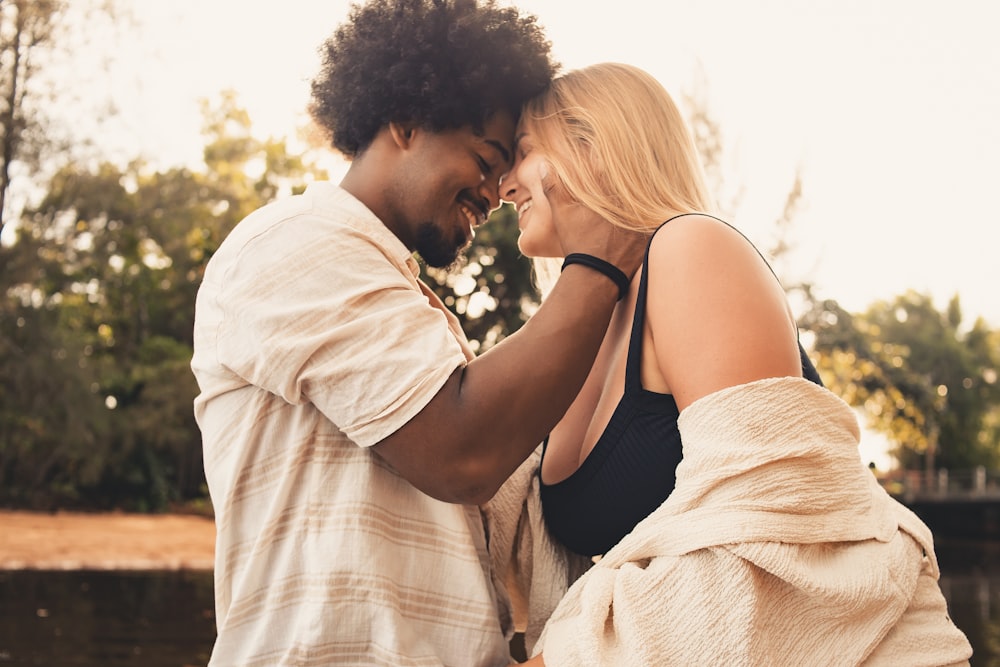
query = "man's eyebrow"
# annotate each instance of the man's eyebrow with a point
(500, 149)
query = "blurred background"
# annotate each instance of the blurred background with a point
(855, 142)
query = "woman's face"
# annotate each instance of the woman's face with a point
(532, 188)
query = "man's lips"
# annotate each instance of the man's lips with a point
(474, 213)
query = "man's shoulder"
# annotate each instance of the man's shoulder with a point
(322, 201)
(321, 220)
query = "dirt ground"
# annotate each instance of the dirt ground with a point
(69, 541)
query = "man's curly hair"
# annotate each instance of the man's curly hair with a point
(441, 64)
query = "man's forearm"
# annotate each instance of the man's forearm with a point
(493, 413)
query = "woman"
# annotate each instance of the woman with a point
(774, 545)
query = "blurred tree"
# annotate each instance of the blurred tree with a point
(48, 413)
(51, 417)
(39, 42)
(921, 380)
(109, 263)
(26, 28)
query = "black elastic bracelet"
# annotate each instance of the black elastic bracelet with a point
(598, 264)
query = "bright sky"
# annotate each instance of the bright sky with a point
(889, 107)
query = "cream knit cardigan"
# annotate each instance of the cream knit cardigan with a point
(776, 547)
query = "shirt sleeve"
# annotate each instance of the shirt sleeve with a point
(317, 313)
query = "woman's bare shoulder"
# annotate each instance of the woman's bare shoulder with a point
(716, 313)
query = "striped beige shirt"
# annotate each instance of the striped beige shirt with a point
(313, 341)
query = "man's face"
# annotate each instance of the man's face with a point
(451, 183)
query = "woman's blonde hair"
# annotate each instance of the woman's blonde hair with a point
(619, 145)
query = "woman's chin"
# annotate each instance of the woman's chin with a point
(528, 249)
(535, 247)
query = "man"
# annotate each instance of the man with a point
(349, 433)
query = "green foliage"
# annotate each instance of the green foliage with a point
(50, 416)
(922, 380)
(97, 317)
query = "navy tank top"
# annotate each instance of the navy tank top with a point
(631, 469)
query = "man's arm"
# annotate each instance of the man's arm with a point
(491, 414)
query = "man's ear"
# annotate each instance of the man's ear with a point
(402, 133)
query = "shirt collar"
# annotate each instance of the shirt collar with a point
(328, 194)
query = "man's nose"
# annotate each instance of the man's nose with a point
(490, 189)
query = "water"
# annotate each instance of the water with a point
(165, 619)
(970, 580)
(113, 619)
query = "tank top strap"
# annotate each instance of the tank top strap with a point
(633, 362)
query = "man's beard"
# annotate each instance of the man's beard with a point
(435, 248)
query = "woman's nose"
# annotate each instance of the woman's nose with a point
(508, 186)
